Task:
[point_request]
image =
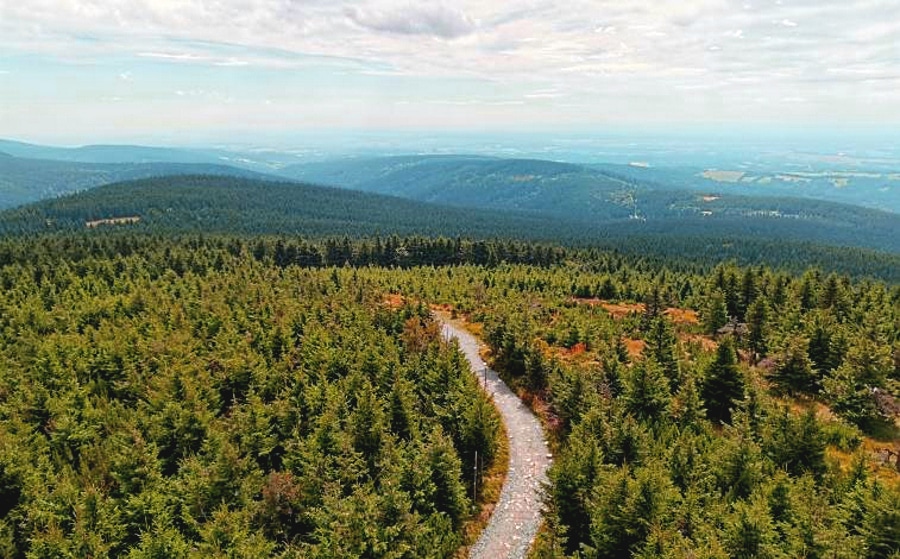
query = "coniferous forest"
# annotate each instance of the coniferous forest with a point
(190, 396)
(395, 279)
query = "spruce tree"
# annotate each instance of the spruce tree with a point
(794, 372)
(647, 391)
(715, 315)
(723, 386)
(758, 324)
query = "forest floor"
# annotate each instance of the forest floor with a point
(517, 516)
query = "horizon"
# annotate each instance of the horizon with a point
(194, 73)
(860, 141)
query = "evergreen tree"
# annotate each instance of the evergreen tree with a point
(826, 344)
(749, 291)
(854, 386)
(794, 372)
(723, 385)
(661, 344)
(715, 313)
(647, 391)
(758, 325)
(797, 445)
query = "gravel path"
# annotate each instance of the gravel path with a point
(517, 516)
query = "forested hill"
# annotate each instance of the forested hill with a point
(524, 184)
(600, 197)
(24, 180)
(236, 205)
(108, 153)
(206, 204)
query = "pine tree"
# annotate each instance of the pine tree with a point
(749, 290)
(758, 324)
(715, 314)
(647, 391)
(723, 385)
(661, 339)
(827, 345)
(687, 406)
(794, 372)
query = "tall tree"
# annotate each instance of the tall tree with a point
(647, 390)
(715, 313)
(723, 385)
(758, 325)
(794, 372)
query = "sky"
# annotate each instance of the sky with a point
(182, 71)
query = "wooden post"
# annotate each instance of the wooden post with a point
(475, 480)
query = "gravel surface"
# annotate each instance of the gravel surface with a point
(517, 516)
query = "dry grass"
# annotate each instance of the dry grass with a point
(706, 343)
(870, 447)
(635, 347)
(621, 310)
(683, 316)
(394, 300)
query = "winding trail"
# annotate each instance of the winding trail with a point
(517, 516)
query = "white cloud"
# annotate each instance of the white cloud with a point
(429, 19)
(231, 62)
(550, 93)
(628, 54)
(180, 57)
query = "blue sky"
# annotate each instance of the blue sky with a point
(181, 71)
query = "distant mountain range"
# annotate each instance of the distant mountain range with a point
(550, 200)
(184, 204)
(260, 160)
(539, 184)
(604, 196)
(870, 188)
(24, 180)
(231, 205)
(568, 190)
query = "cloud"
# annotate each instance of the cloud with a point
(231, 62)
(549, 93)
(192, 57)
(180, 57)
(695, 59)
(432, 19)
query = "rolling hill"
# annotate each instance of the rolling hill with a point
(24, 180)
(590, 203)
(218, 204)
(105, 153)
(587, 192)
(617, 202)
(234, 205)
(259, 160)
(869, 188)
(563, 189)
